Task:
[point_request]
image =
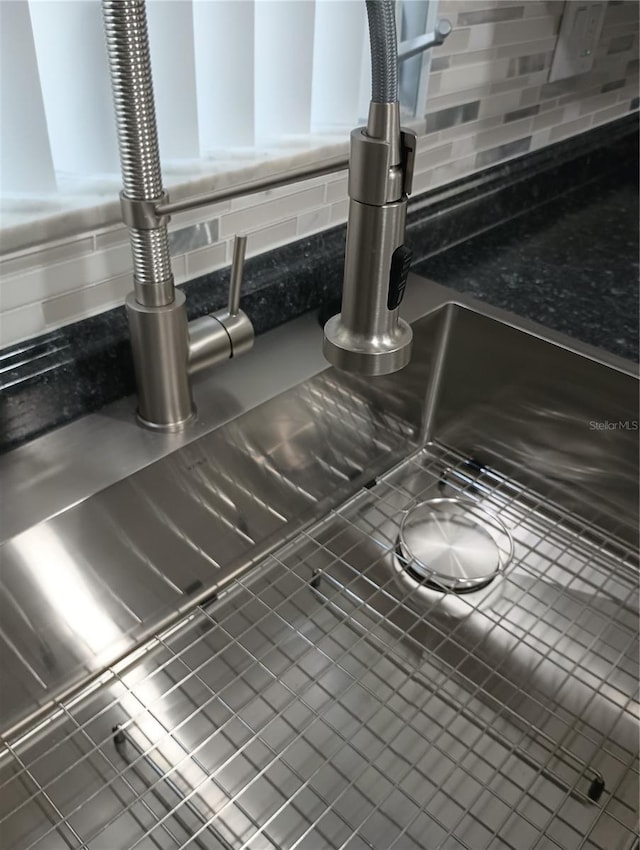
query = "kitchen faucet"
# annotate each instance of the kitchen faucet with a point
(368, 336)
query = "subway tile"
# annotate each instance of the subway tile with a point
(482, 37)
(23, 323)
(471, 130)
(434, 84)
(501, 152)
(440, 63)
(314, 220)
(206, 260)
(194, 236)
(85, 302)
(593, 104)
(267, 238)
(613, 85)
(40, 283)
(539, 78)
(548, 119)
(623, 12)
(448, 8)
(252, 218)
(490, 16)
(456, 98)
(548, 105)
(530, 95)
(112, 237)
(422, 181)
(529, 47)
(464, 147)
(418, 125)
(529, 64)
(520, 31)
(339, 212)
(621, 43)
(461, 78)
(432, 157)
(513, 84)
(610, 114)
(611, 67)
(198, 215)
(45, 257)
(540, 139)
(270, 195)
(578, 96)
(571, 128)
(453, 115)
(337, 190)
(559, 88)
(179, 268)
(538, 9)
(571, 111)
(473, 57)
(453, 170)
(625, 94)
(503, 134)
(498, 104)
(517, 114)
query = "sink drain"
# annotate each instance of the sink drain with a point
(452, 545)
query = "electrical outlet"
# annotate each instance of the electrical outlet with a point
(578, 37)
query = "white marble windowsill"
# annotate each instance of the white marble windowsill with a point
(92, 204)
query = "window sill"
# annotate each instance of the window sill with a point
(77, 210)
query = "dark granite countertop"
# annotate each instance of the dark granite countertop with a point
(570, 264)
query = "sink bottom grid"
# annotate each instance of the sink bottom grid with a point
(320, 702)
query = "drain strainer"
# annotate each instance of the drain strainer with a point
(453, 545)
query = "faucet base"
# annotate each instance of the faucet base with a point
(160, 348)
(370, 356)
(168, 427)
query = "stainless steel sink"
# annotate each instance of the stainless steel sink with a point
(255, 667)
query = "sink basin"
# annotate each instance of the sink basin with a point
(232, 651)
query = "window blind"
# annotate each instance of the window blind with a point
(228, 75)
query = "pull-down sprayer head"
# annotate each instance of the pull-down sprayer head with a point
(368, 336)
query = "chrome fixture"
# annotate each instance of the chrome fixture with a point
(417, 45)
(451, 544)
(368, 337)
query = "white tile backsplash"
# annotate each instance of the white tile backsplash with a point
(206, 260)
(252, 217)
(610, 114)
(337, 190)
(270, 237)
(86, 301)
(39, 284)
(339, 212)
(491, 68)
(570, 128)
(314, 220)
(48, 256)
(23, 323)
